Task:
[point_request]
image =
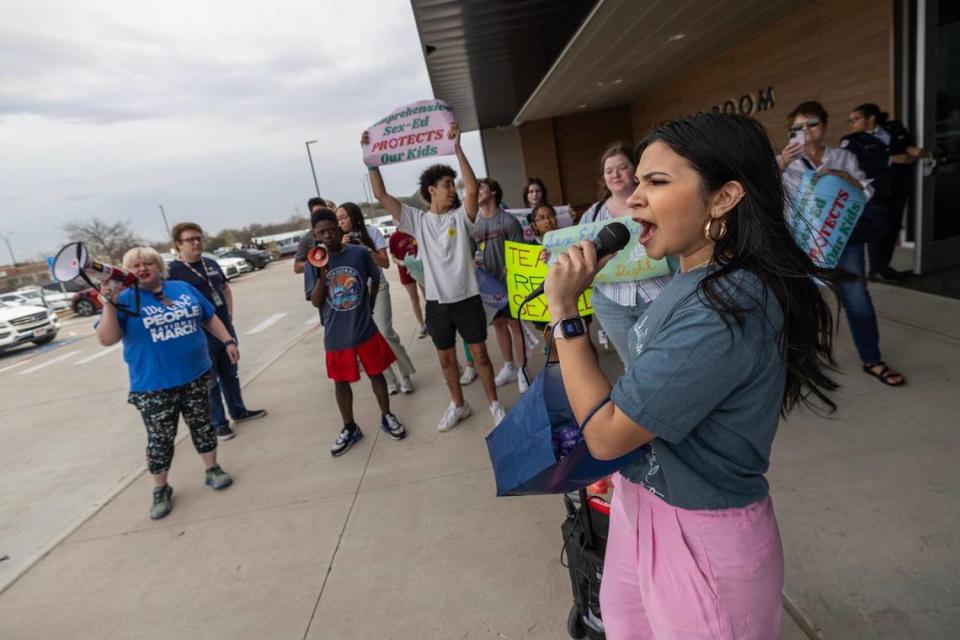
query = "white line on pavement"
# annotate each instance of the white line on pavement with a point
(98, 354)
(263, 326)
(43, 365)
(16, 364)
(314, 319)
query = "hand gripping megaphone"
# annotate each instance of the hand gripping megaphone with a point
(73, 261)
(317, 256)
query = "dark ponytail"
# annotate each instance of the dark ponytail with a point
(722, 148)
(869, 109)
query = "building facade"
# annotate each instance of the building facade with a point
(550, 85)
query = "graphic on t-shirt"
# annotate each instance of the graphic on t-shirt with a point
(640, 333)
(653, 469)
(344, 290)
(176, 320)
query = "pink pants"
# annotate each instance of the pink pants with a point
(673, 573)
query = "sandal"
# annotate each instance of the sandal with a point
(885, 374)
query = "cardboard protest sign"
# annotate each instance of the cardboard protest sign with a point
(827, 210)
(525, 272)
(631, 263)
(564, 219)
(414, 131)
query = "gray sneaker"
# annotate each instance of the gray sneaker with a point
(162, 502)
(218, 478)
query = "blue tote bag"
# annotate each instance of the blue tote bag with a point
(522, 451)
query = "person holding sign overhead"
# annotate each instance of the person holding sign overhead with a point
(807, 152)
(444, 237)
(740, 335)
(618, 305)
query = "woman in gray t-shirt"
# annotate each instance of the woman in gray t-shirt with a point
(738, 337)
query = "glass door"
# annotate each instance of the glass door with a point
(938, 76)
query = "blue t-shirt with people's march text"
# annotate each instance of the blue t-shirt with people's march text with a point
(346, 310)
(165, 346)
(711, 391)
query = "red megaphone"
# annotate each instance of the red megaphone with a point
(317, 256)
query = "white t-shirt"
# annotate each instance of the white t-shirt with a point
(445, 245)
(379, 242)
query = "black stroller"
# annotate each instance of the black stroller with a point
(584, 543)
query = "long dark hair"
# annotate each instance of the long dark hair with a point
(357, 223)
(526, 188)
(721, 148)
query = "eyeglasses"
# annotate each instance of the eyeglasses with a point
(809, 124)
(193, 239)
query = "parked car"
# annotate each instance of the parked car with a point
(21, 323)
(257, 258)
(33, 296)
(288, 247)
(387, 228)
(231, 267)
(86, 302)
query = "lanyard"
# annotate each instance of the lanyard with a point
(217, 300)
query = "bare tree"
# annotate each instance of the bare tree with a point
(105, 240)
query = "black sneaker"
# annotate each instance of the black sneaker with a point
(251, 415)
(162, 502)
(349, 436)
(224, 432)
(392, 427)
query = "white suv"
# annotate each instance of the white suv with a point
(26, 323)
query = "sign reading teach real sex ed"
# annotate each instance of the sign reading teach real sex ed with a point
(526, 272)
(827, 209)
(631, 263)
(414, 131)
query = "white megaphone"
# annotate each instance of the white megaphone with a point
(317, 256)
(73, 261)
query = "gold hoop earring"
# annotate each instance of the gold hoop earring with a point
(708, 229)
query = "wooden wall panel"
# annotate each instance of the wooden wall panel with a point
(581, 140)
(540, 156)
(839, 52)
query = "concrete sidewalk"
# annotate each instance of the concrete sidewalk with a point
(406, 539)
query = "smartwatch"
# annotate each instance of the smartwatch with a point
(568, 328)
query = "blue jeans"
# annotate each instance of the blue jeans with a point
(617, 321)
(856, 302)
(223, 377)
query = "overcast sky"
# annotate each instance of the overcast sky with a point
(109, 108)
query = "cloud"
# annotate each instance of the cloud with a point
(112, 108)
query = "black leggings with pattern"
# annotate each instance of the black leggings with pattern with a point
(161, 411)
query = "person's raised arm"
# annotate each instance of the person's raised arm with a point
(387, 201)
(471, 188)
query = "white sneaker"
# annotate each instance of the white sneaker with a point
(453, 415)
(508, 373)
(469, 374)
(392, 388)
(497, 411)
(522, 383)
(422, 331)
(406, 385)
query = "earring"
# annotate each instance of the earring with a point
(708, 229)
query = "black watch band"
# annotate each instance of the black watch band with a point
(229, 342)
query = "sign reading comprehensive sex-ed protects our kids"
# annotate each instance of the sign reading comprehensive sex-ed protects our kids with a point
(631, 263)
(526, 272)
(414, 131)
(827, 210)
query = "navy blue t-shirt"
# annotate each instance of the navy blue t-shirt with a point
(206, 277)
(165, 346)
(346, 309)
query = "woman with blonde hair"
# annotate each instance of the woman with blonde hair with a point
(168, 363)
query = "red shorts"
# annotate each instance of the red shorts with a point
(375, 354)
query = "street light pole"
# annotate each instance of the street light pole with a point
(6, 238)
(165, 223)
(312, 168)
